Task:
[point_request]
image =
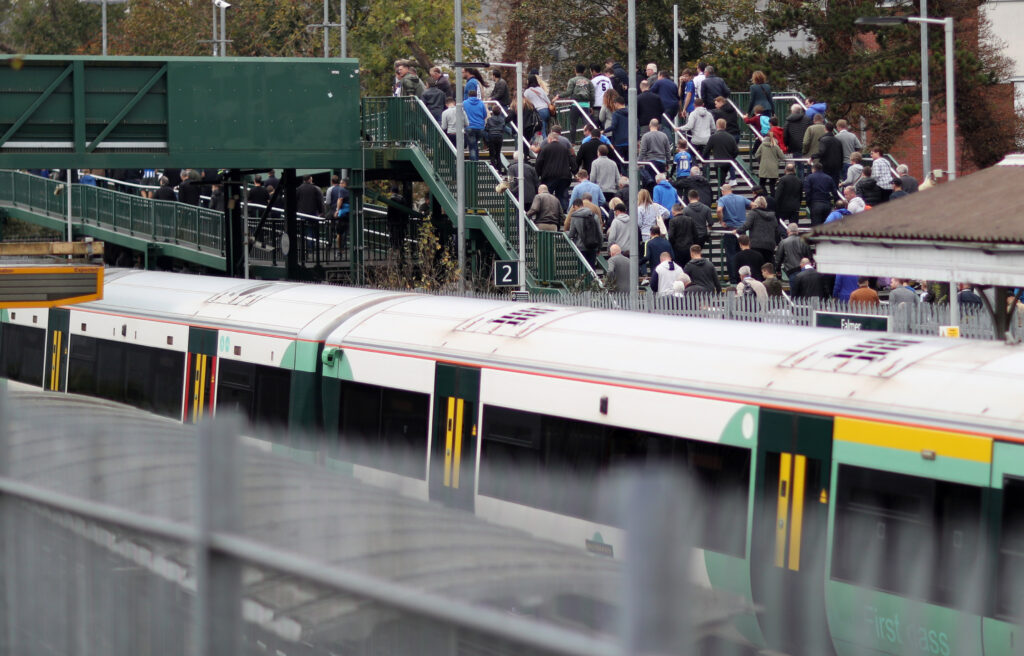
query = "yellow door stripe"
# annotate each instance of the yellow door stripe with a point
(782, 510)
(942, 443)
(202, 386)
(198, 378)
(55, 361)
(796, 523)
(449, 427)
(458, 443)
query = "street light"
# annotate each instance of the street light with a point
(950, 88)
(223, 6)
(104, 4)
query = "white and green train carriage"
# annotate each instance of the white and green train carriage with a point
(866, 492)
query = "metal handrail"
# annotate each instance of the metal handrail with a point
(504, 112)
(680, 134)
(531, 225)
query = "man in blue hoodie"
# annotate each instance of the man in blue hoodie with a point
(664, 193)
(476, 117)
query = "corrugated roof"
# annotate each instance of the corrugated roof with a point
(979, 208)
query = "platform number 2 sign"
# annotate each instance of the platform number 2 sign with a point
(506, 273)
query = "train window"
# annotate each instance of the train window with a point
(1010, 582)
(145, 377)
(912, 536)
(384, 428)
(22, 353)
(554, 464)
(260, 393)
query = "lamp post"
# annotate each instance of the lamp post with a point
(947, 23)
(460, 152)
(103, 4)
(634, 255)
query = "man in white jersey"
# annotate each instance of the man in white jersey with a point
(601, 84)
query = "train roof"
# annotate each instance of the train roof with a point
(970, 385)
(299, 310)
(966, 385)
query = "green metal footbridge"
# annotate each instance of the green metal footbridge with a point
(239, 116)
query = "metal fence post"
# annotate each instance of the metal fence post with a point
(218, 577)
(8, 570)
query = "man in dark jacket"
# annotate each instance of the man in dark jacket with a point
(434, 98)
(682, 233)
(793, 133)
(258, 195)
(702, 272)
(868, 189)
(189, 189)
(712, 86)
(164, 191)
(791, 251)
(820, 192)
(724, 110)
(529, 175)
(702, 217)
(695, 182)
(648, 106)
(788, 194)
(554, 168)
(587, 152)
(722, 146)
(309, 198)
(830, 154)
(808, 282)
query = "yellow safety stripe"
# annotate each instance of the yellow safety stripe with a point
(782, 509)
(449, 427)
(797, 520)
(55, 360)
(458, 443)
(198, 388)
(905, 438)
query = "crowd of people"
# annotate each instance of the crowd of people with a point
(803, 162)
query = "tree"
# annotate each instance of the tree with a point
(861, 71)
(589, 31)
(379, 32)
(51, 27)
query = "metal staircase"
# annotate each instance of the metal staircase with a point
(403, 129)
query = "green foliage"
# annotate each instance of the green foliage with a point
(858, 70)
(593, 31)
(44, 27)
(379, 31)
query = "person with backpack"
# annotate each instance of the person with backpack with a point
(585, 231)
(580, 89)
(750, 289)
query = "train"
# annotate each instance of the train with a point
(867, 487)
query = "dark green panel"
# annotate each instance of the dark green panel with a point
(202, 341)
(331, 392)
(793, 432)
(180, 112)
(304, 401)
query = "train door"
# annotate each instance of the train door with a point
(57, 337)
(200, 370)
(454, 440)
(788, 548)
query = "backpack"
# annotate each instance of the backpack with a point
(591, 237)
(748, 291)
(583, 90)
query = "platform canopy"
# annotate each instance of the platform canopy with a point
(969, 230)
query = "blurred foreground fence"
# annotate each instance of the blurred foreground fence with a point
(125, 534)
